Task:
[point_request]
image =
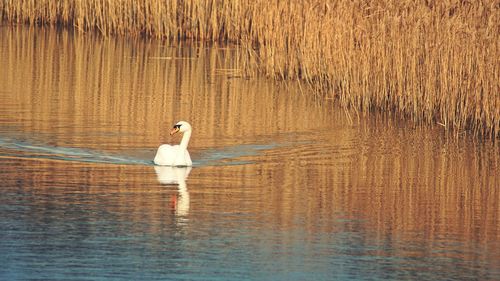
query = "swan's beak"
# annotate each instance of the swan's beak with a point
(174, 131)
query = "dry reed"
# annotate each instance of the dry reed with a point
(431, 61)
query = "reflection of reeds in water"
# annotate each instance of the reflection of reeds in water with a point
(104, 85)
(80, 86)
(429, 60)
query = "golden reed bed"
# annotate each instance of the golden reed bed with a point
(433, 61)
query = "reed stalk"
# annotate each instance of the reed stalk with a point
(430, 61)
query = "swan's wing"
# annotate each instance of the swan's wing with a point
(183, 159)
(165, 155)
(188, 158)
(168, 155)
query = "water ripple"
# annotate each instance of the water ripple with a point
(11, 147)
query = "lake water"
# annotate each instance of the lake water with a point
(284, 186)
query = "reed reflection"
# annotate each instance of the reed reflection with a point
(83, 88)
(168, 175)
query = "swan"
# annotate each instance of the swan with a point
(175, 155)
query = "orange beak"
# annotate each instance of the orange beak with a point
(174, 131)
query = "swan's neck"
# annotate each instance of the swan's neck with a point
(185, 140)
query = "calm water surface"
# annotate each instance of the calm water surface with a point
(284, 187)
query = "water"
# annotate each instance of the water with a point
(284, 186)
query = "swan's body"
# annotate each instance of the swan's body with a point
(172, 155)
(175, 155)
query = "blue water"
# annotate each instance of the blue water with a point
(82, 243)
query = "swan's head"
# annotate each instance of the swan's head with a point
(181, 126)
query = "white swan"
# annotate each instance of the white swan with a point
(175, 155)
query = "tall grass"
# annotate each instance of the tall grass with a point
(431, 61)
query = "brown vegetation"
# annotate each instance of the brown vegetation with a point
(432, 61)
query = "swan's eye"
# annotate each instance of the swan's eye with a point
(177, 126)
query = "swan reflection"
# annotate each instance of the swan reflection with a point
(176, 176)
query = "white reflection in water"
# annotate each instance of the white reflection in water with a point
(168, 175)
